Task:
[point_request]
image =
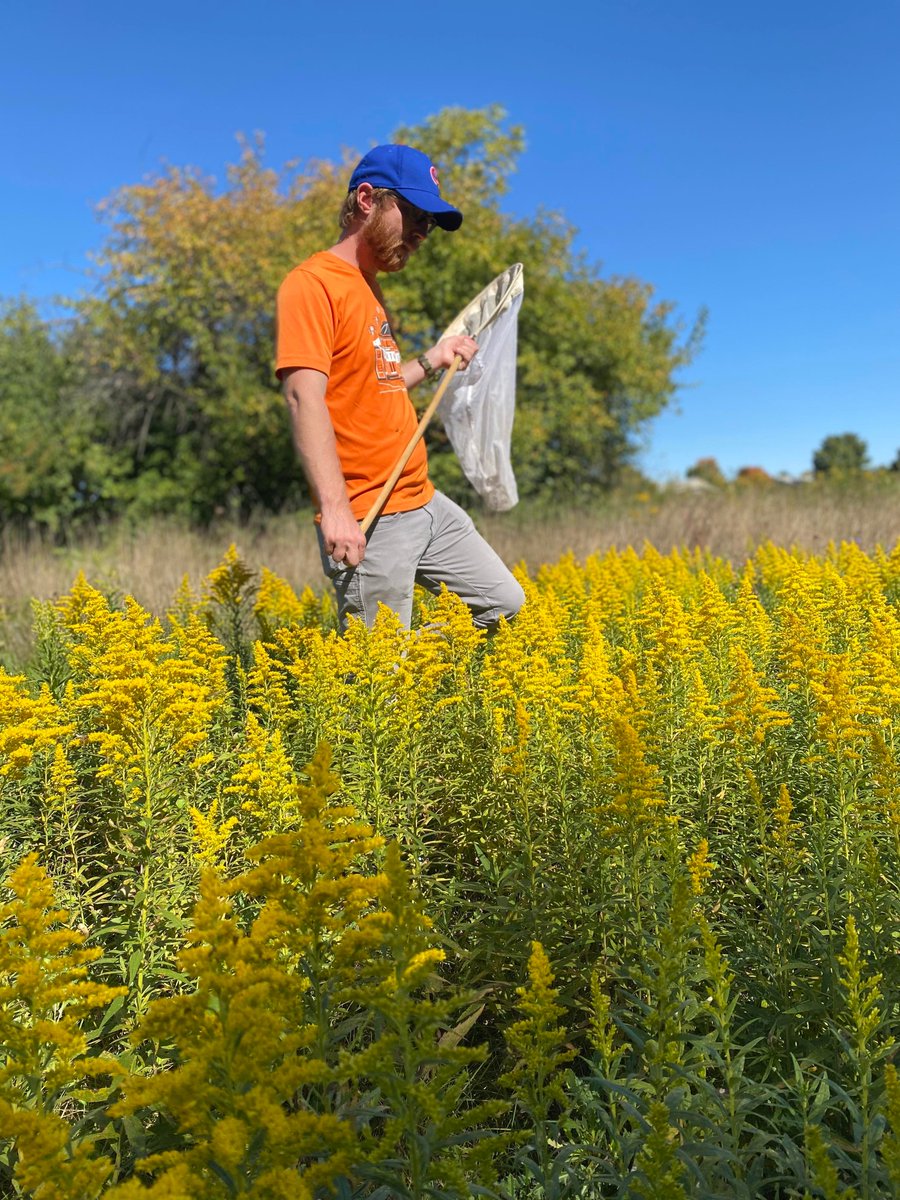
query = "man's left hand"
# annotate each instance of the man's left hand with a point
(443, 354)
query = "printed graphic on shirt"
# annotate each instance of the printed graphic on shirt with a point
(387, 356)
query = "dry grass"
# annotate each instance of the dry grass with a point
(150, 561)
(729, 523)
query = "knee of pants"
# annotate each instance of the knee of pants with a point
(508, 599)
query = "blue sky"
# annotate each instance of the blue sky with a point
(746, 158)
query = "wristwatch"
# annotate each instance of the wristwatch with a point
(426, 366)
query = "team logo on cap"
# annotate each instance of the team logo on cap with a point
(434, 178)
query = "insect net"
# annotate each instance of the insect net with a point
(479, 404)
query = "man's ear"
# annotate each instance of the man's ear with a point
(365, 198)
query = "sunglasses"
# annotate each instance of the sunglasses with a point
(413, 215)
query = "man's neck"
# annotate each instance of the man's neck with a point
(353, 249)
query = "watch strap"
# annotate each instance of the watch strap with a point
(426, 366)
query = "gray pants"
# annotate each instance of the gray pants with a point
(435, 544)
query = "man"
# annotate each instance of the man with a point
(351, 416)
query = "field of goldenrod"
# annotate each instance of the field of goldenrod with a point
(605, 905)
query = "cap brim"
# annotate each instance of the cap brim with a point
(445, 214)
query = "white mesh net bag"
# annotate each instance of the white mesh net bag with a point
(479, 404)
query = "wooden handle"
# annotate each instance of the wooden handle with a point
(410, 446)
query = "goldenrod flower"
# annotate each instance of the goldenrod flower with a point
(27, 725)
(45, 991)
(700, 867)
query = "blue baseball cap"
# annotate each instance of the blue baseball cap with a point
(412, 175)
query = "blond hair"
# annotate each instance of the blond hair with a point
(350, 208)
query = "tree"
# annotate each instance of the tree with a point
(708, 470)
(181, 331)
(52, 467)
(753, 475)
(842, 453)
(182, 324)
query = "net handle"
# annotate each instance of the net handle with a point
(404, 458)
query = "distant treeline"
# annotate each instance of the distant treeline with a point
(157, 394)
(839, 457)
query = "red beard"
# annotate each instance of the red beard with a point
(389, 250)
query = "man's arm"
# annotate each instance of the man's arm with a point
(304, 392)
(440, 356)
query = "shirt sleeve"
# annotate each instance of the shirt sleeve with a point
(305, 324)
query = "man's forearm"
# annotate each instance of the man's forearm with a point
(314, 441)
(413, 372)
(304, 392)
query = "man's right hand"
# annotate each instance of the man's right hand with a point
(343, 539)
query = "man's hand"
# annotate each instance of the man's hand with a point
(440, 356)
(342, 536)
(443, 354)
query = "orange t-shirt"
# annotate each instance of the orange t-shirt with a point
(330, 320)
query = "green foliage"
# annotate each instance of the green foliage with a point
(182, 327)
(841, 453)
(52, 471)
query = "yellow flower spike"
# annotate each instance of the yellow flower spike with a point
(787, 835)
(27, 725)
(265, 784)
(749, 712)
(80, 605)
(565, 586)
(421, 966)
(460, 637)
(278, 606)
(880, 665)
(700, 713)
(636, 812)
(658, 1169)
(529, 675)
(756, 629)
(277, 668)
(145, 698)
(841, 706)
(610, 587)
(537, 1041)
(888, 566)
(700, 867)
(186, 604)
(715, 622)
(45, 991)
(862, 993)
(599, 690)
(277, 603)
(670, 643)
(228, 583)
(210, 837)
(890, 1146)
(886, 779)
(601, 1028)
